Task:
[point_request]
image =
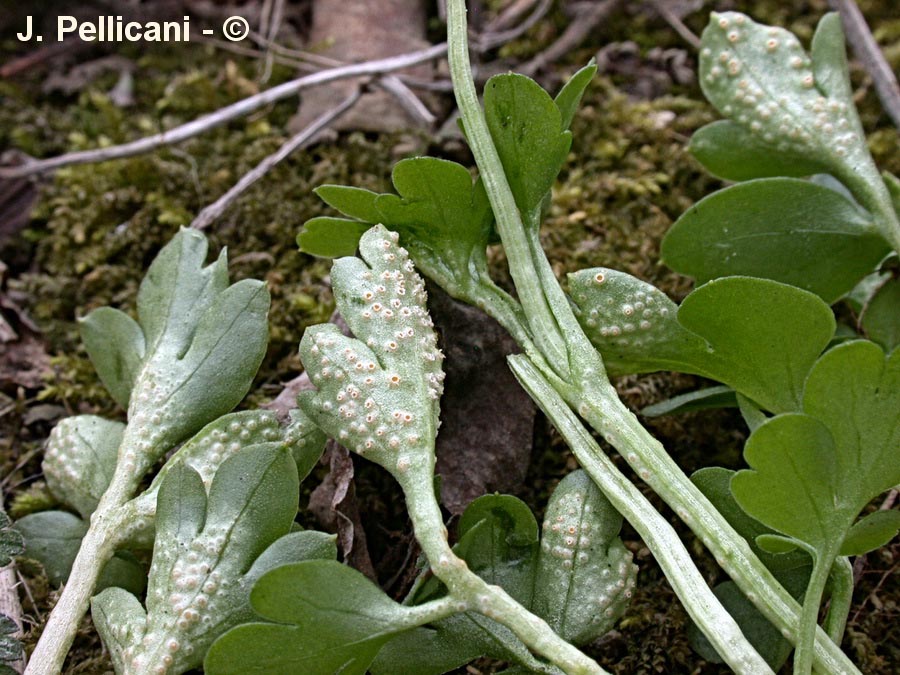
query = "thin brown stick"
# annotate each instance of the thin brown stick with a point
(867, 51)
(218, 207)
(226, 114)
(509, 15)
(671, 18)
(574, 35)
(411, 103)
(491, 40)
(393, 84)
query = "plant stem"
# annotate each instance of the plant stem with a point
(690, 587)
(809, 618)
(601, 407)
(841, 580)
(97, 547)
(540, 317)
(588, 390)
(471, 592)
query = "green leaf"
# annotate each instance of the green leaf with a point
(330, 619)
(702, 399)
(208, 553)
(434, 650)
(391, 397)
(759, 337)
(176, 290)
(585, 576)
(854, 390)
(633, 324)
(829, 58)
(498, 539)
(11, 541)
(764, 336)
(715, 484)
(357, 203)
(53, 539)
(871, 533)
(115, 343)
(443, 219)
(793, 480)
(217, 369)
(330, 237)
(881, 315)
(784, 229)
(760, 77)
(753, 416)
(731, 152)
(893, 185)
(11, 649)
(80, 459)
(813, 472)
(569, 97)
(528, 131)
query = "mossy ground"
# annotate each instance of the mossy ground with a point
(95, 229)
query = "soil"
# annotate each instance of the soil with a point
(83, 237)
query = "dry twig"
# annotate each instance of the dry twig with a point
(574, 35)
(491, 40)
(671, 18)
(867, 51)
(226, 114)
(218, 207)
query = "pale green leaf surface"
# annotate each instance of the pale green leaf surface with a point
(758, 336)
(881, 316)
(383, 406)
(207, 554)
(829, 58)
(569, 97)
(330, 619)
(760, 77)
(80, 459)
(176, 290)
(115, 343)
(53, 539)
(328, 237)
(871, 533)
(785, 229)
(730, 151)
(527, 129)
(585, 575)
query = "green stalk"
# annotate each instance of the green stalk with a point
(97, 548)
(809, 617)
(589, 391)
(471, 592)
(540, 316)
(841, 581)
(668, 550)
(604, 411)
